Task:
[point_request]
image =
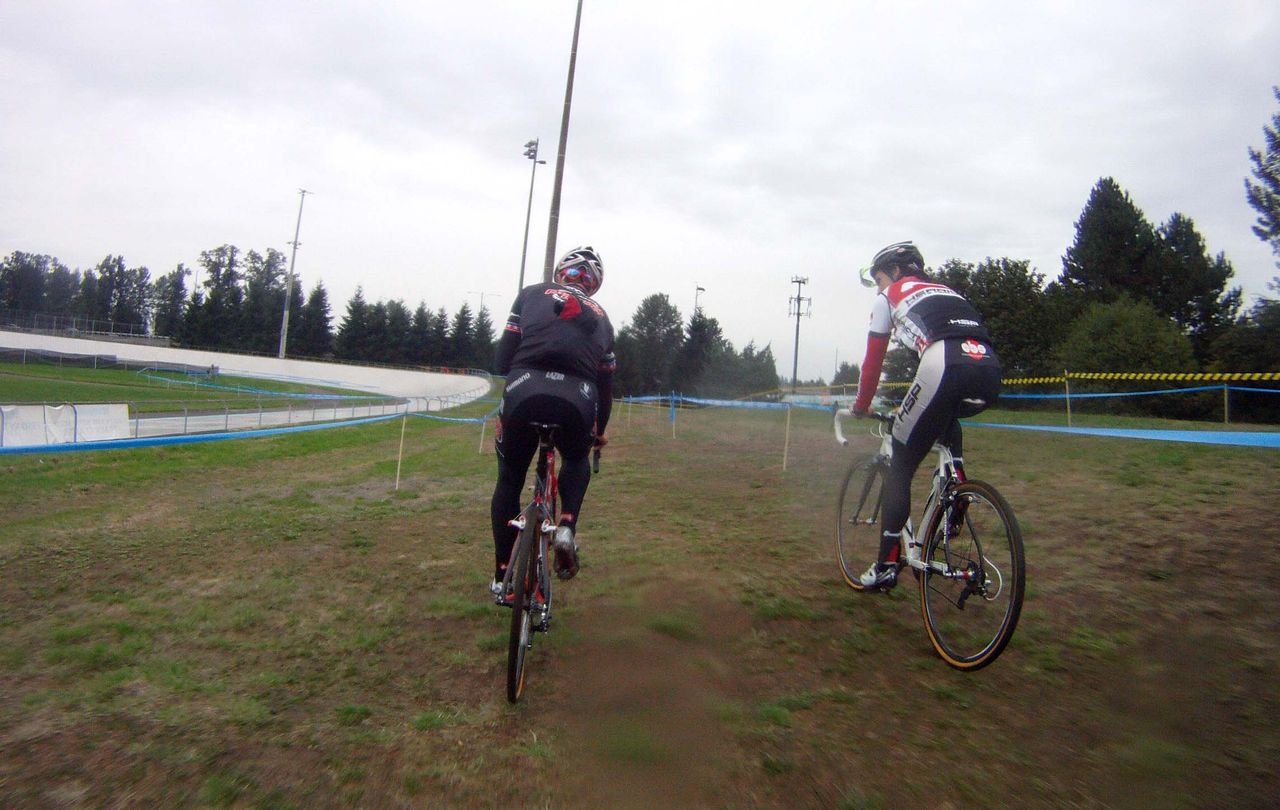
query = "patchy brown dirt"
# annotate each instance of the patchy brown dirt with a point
(285, 631)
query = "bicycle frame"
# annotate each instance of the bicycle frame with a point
(947, 474)
(546, 488)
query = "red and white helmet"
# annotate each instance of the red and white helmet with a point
(581, 268)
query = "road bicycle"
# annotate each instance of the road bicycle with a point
(968, 560)
(526, 588)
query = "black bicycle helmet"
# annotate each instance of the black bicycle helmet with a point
(903, 255)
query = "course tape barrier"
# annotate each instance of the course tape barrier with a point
(1166, 375)
(190, 438)
(1221, 437)
(1003, 395)
(462, 420)
(1218, 437)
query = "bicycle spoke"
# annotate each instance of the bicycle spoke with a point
(983, 559)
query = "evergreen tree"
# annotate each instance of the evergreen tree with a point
(168, 298)
(315, 330)
(484, 340)
(218, 320)
(462, 339)
(399, 333)
(1264, 195)
(1192, 286)
(1114, 251)
(88, 302)
(703, 342)
(437, 349)
(353, 332)
(758, 371)
(647, 347)
(847, 374)
(377, 344)
(419, 335)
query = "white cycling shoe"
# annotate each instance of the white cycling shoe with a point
(566, 549)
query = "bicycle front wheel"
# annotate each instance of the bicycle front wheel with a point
(523, 584)
(858, 520)
(972, 587)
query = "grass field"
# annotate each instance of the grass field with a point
(42, 383)
(268, 624)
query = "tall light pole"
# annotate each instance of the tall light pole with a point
(698, 290)
(288, 282)
(554, 223)
(531, 152)
(801, 307)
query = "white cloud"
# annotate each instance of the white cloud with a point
(728, 144)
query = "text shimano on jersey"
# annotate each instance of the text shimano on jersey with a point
(522, 378)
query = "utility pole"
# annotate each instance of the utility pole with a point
(698, 290)
(288, 282)
(802, 306)
(554, 224)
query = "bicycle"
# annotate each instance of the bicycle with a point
(527, 584)
(972, 547)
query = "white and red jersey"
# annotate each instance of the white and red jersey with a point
(918, 313)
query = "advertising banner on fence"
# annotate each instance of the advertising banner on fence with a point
(28, 425)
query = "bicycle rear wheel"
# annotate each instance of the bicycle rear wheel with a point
(523, 584)
(858, 520)
(972, 587)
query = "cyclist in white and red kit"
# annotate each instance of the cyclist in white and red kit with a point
(958, 376)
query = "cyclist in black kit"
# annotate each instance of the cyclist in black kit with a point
(557, 355)
(959, 376)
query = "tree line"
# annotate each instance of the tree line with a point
(1131, 297)
(238, 305)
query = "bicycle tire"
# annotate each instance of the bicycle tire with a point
(522, 582)
(970, 624)
(858, 519)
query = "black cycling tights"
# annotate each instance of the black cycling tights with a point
(895, 492)
(516, 449)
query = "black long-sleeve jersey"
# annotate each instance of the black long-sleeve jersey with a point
(557, 328)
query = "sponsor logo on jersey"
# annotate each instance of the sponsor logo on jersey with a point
(554, 375)
(585, 390)
(963, 322)
(974, 349)
(511, 386)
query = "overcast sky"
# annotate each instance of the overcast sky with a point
(731, 145)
